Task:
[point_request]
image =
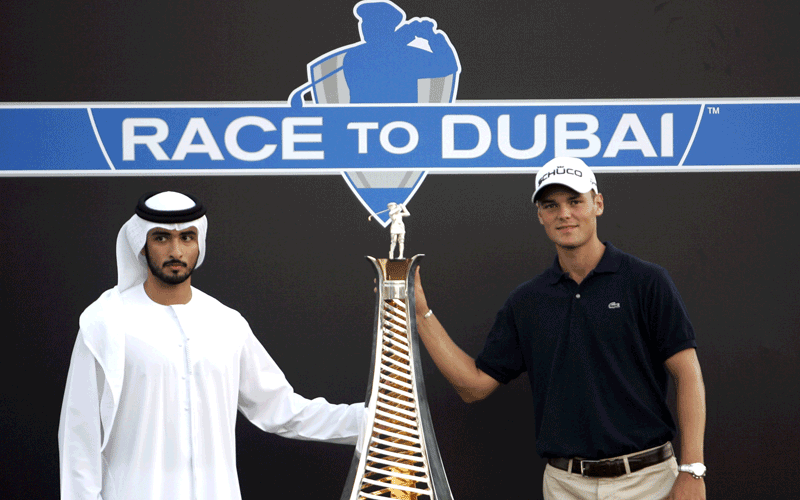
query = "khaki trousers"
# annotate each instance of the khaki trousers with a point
(650, 483)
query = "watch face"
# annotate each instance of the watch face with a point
(696, 470)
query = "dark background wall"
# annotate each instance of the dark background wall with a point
(288, 251)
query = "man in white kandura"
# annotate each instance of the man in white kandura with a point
(398, 228)
(159, 370)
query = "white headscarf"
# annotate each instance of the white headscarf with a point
(131, 264)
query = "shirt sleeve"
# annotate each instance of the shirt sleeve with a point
(501, 357)
(669, 321)
(79, 429)
(268, 400)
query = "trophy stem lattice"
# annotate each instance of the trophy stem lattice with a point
(400, 458)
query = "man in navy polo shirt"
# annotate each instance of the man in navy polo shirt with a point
(598, 334)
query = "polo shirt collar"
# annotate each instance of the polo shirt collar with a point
(609, 263)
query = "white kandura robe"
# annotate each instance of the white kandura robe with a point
(149, 409)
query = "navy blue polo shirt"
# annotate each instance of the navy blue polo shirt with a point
(594, 354)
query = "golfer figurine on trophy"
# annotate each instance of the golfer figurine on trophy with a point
(398, 228)
(400, 458)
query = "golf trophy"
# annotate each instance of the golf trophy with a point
(400, 458)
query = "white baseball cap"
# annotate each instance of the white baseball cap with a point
(570, 172)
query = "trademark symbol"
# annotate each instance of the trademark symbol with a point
(713, 110)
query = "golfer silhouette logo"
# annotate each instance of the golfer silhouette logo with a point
(396, 61)
(395, 56)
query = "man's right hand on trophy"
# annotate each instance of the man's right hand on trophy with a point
(420, 302)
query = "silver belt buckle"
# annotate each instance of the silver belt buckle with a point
(588, 462)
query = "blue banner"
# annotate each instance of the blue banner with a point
(383, 113)
(454, 138)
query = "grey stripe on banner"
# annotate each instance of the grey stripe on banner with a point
(437, 89)
(405, 182)
(363, 180)
(392, 180)
(330, 65)
(447, 88)
(424, 90)
(342, 87)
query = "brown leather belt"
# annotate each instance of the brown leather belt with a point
(613, 467)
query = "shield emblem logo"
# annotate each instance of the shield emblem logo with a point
(397, 61)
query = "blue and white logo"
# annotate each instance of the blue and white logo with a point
(397, 61)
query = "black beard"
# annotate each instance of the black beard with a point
(163, 276)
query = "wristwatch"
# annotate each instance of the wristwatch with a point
(698, 470)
